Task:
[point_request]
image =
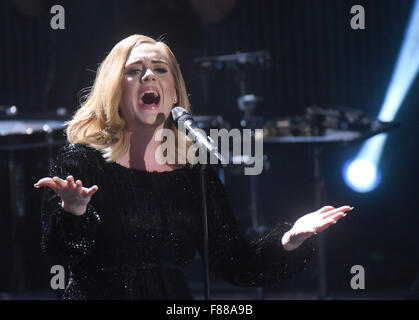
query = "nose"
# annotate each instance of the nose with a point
(148, 76)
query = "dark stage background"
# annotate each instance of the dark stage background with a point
(316, 59)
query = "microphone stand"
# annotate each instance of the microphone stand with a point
(205, 255)
(178, 113)
(205, 224)
(205, 232)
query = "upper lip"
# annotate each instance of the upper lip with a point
(148, 88)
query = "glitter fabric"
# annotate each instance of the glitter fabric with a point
(141, 229)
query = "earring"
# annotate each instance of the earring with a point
(174, 100)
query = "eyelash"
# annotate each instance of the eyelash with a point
(134, 71)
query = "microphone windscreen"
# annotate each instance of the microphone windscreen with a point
(177, 112)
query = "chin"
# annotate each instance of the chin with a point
(154, 119)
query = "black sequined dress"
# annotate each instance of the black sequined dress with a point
(141, 229)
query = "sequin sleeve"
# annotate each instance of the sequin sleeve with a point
(67, 238)
(248, 263)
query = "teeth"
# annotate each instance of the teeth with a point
(149, 91)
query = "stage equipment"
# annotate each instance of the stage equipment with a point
(241, 63)
(26, 148)
(320, 127)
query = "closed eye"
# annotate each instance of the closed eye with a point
(160, 70)
(134, 72)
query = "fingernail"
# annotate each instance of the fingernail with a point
(36, 185)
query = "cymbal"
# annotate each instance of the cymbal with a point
(346, 136)
(19, 127)
(325, 124)
(333, 135)
(233, 61)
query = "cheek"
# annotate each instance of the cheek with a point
(127, 85)
(126, 101)
(171, 91)
(127, 90)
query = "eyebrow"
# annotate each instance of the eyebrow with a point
(152, 61)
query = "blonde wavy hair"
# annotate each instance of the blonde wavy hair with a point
(98, 122)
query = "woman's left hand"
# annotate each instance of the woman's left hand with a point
(311, 224)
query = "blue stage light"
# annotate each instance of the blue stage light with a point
(405, 71)
(362, 173)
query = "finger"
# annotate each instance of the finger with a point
(337, 210)
(92, 190)
(338, 216)
(325, 209)
(70, 183)
(60, 182)
(46, 182)
(310, 232)
(79, 186)
(325, 225)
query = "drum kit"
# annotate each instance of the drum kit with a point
(28, 141)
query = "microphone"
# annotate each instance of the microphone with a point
(182, 116)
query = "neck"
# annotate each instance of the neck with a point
(142, 149)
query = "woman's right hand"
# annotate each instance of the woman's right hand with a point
(73, 195)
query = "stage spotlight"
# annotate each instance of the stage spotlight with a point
(362, 173)
(405, 71)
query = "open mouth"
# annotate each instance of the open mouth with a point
(149, 98)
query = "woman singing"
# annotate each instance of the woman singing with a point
(124, 224)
